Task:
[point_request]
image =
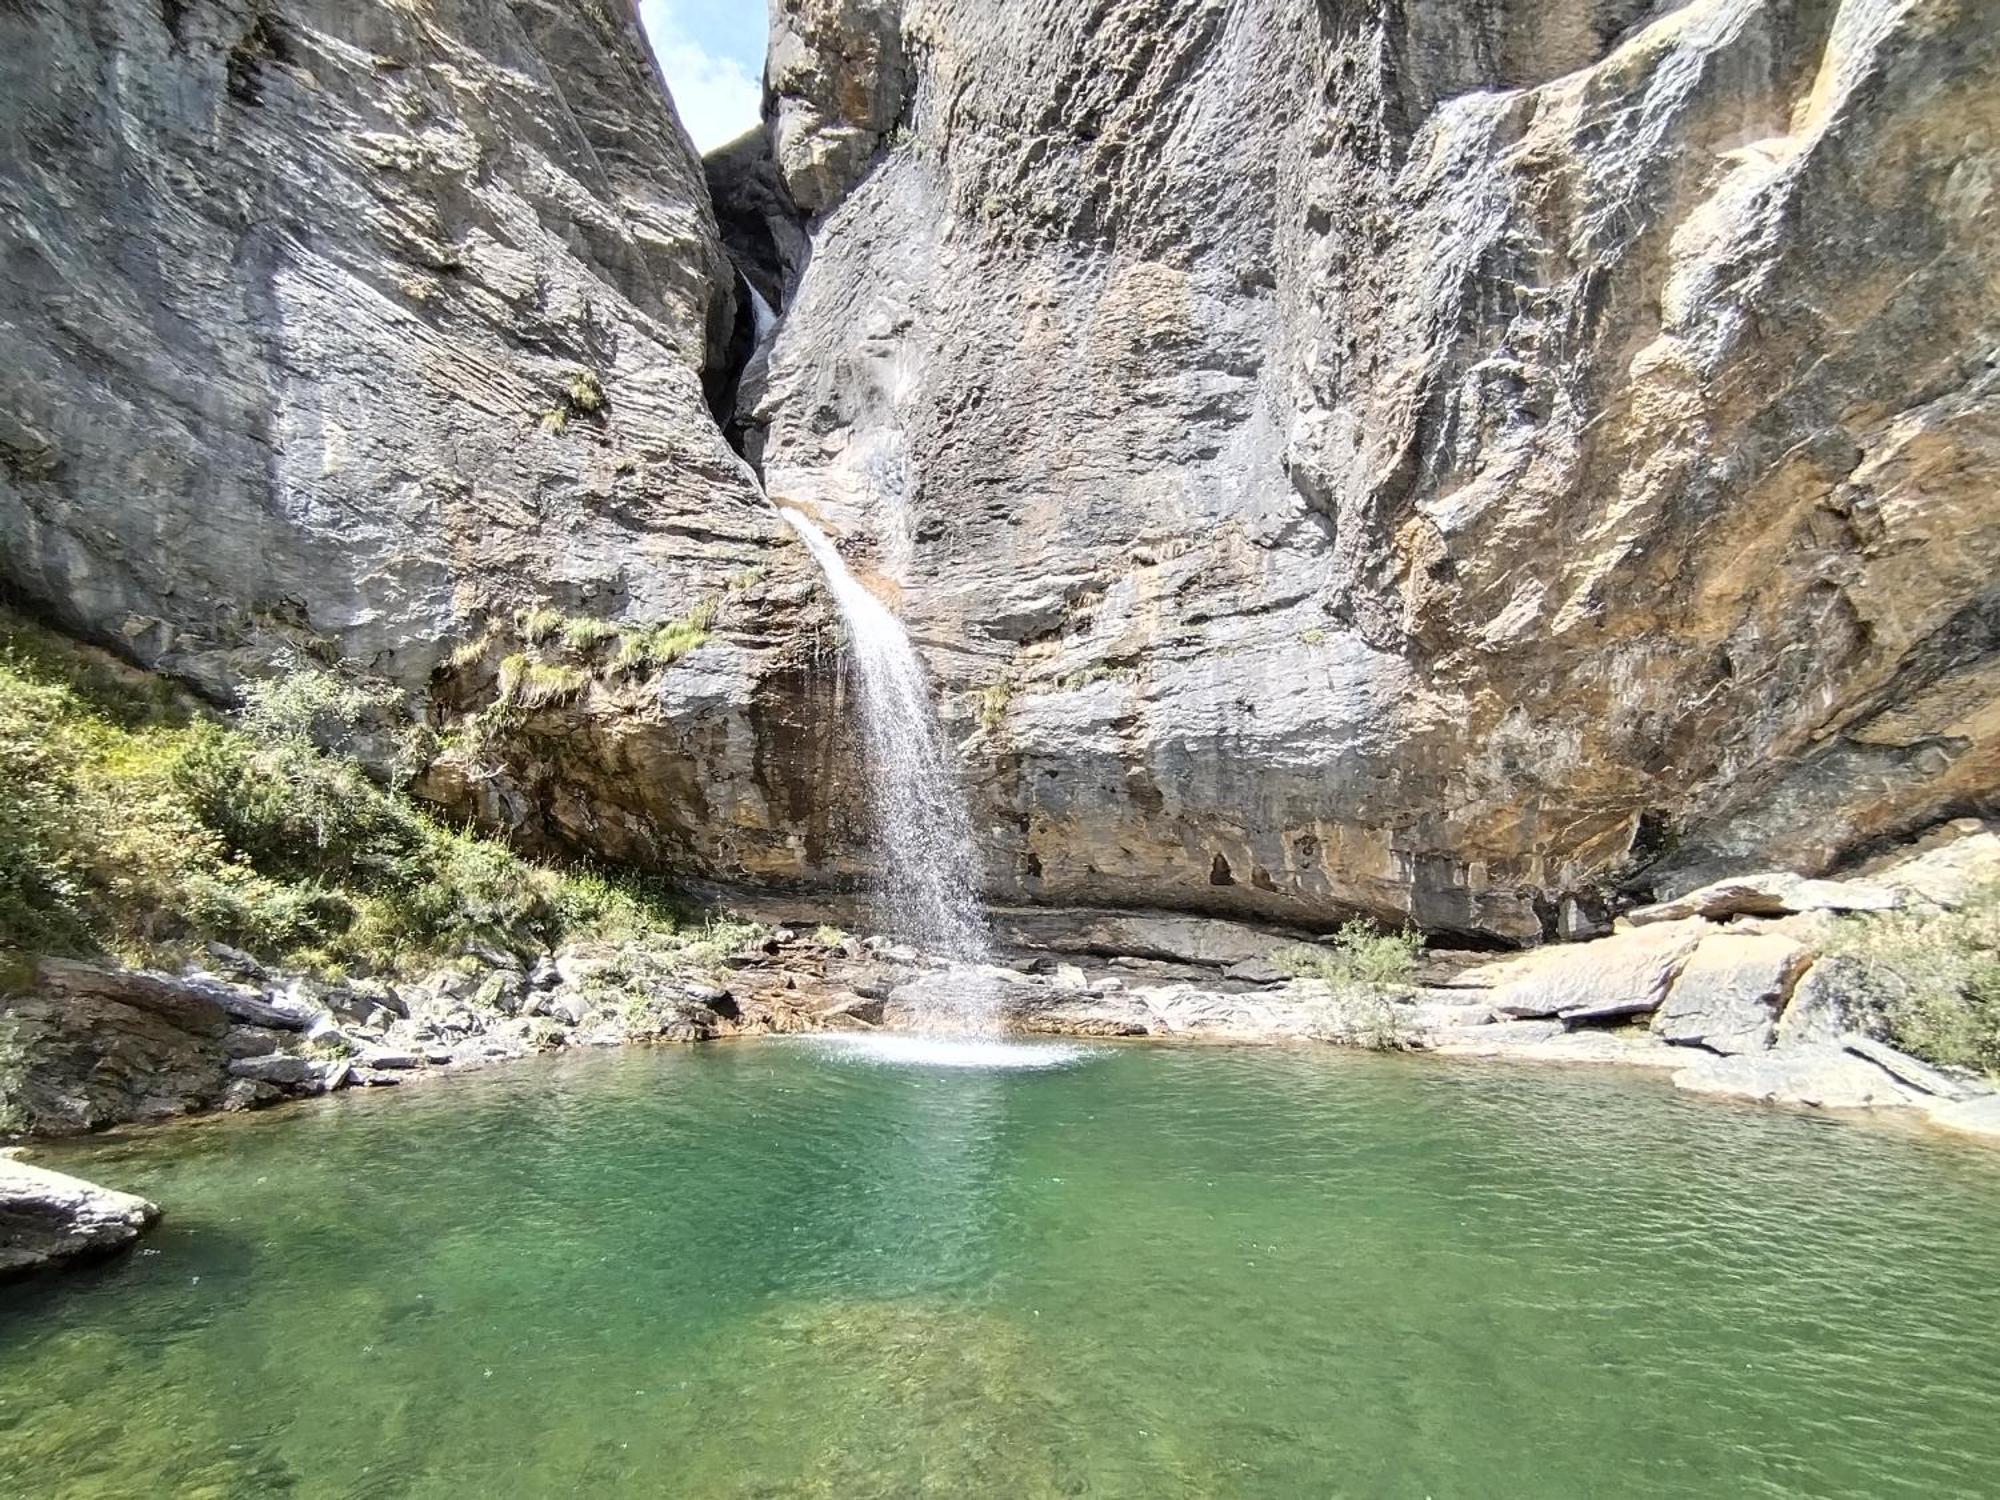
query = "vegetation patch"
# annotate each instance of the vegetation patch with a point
(527, 683)
(664, 644)
(136, 825)
(993, 704)
(1366, 972)
(1931, 981)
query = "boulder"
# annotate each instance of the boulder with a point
(1728, 994)
(1256, 971)
(281, 1068)
(253, 1007)
(235, 963)
(248, 1093)
(1822, 1009)
(1944, 868)
(251, 1041)
(1625, 974)
(93, 1045)
(48, 1217)
(863, 1008)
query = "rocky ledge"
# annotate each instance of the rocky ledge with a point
(1732, 988)
(47, 1218)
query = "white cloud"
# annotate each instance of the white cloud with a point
(717, 97)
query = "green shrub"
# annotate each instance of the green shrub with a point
(1361, 956)
(538, 624)
(1365, 971)
(528, 683)
(582, 634)
(993, 703)
(585, 392)
(1931, 980)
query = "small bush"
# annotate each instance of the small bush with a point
(583, 634)
(1360, 956)
(538, 624)
(828, 936)
(993, 703)
(585, 392)
(1931, 981)
(469, 653)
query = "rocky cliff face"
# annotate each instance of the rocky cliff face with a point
(354, 330)
(1440, 459)
(1447, 461)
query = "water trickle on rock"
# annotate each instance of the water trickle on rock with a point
(923, 834)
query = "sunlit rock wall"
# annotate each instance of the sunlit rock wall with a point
(1436, 458)
(296, 297)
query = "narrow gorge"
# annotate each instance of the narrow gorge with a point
(1334, 528)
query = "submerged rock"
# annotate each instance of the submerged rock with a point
(47, 1217)
(1980, 1117)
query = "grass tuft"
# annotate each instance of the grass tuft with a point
(664, 644)
(527, 683)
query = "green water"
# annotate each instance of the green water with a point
(749, 1270)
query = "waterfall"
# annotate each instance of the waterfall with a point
(923, 834)
(762, 318)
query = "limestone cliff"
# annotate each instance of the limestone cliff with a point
(1441, 459)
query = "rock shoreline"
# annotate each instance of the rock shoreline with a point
(1732, 990)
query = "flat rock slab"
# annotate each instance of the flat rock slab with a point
(1909, 1071)
(49, 1217)
(1979, 1117)
(1774, 893)
(1823, 1076)
(1550, 1041)
(1212, 941)
(1728, 994)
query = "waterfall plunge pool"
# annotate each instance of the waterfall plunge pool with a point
(759, 1270)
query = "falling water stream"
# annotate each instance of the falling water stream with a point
(929, 875)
